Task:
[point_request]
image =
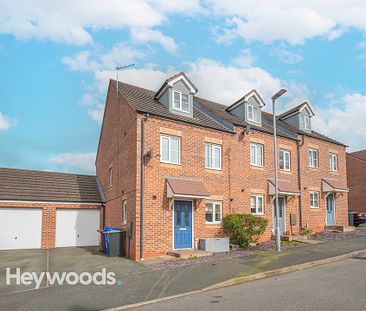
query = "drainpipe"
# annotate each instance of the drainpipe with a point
(299, 144)
(142, 190)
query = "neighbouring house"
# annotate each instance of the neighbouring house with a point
(172, 165)
(41, 209)
(356, 178)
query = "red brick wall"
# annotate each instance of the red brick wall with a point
(311, 180)
(48, 217)
(233, 185)
(117, 149)
(356, 176)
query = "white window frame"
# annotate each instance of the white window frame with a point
(210, 164)
(305, 122)
(169, 161)
(256, 198)
(311, 158)
(180, 108)
(288, 152)
(215, 204)
(252, 118)
(255, 157)
(314, 197)
(333, 159)
(110, 176)
(124, 206)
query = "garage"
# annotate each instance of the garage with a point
(40, 209)
(77, 227)
(20, 228)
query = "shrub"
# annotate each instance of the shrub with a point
(244, 229)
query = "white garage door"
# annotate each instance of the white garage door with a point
(77, 227)
(20, 228)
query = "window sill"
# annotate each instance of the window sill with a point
(285, 171)
(313, 207)
(314, 168)
(217, 224)
(213, 170)
(256, 214)
(170, 165)
(256, 167)
(334, 172)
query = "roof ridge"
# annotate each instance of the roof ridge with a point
(42, 172)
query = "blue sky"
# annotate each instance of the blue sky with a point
(56, 59)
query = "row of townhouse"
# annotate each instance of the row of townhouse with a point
(172, 165)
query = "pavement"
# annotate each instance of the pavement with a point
(337, 286)
(138, 283)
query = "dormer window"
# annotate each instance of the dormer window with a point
(176, 94)
(180, 101)
(306, 122)
(253, 113)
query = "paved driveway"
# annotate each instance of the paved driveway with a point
(69, 259)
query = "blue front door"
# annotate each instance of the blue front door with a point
(182, 224)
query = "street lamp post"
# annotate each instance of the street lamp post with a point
(277, 210)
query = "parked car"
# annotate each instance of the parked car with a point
(359, 219)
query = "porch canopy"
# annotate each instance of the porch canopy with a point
(180, 188)
(329, 185)
(285, 188)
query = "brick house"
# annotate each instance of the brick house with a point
(41, 209)
(185, 162)
(356, 178)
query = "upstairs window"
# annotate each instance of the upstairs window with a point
(213, 156)
(305, 122)
(285, 160)
(170, 149)
(180, 101)
(256, 204)
(256, 154)
(313, 158)
(333, 158)
(110, 177)
(314, 199)
(253, 114)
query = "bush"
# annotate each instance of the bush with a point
(244, 229)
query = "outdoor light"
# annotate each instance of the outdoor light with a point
(278, 236)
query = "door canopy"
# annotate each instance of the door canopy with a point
(285, 188)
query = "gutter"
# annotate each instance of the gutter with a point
(299, 144)
(142, 188)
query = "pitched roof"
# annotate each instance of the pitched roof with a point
(187, 187)
(173, 78)
(359, 154)
(284, 187)
(29, 185)
(330, 185)
(295, 109)
(208, 114)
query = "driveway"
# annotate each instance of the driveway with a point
(69, 259)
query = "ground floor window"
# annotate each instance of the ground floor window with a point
(256, 204)
(213, 212)
(124, 212)
(314, 199)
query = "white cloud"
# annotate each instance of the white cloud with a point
(6, 122)
(344, 121)
(74, 162)
(79, 62)
(286, 55)
(188, 7)
(97, 113)
(291, 21)
(71, 21)
(144, 35)
(227, 84)
(246, 59)
(121, 54)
